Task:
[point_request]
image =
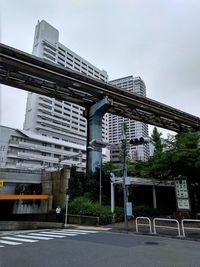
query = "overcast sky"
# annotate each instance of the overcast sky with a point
(156, 40)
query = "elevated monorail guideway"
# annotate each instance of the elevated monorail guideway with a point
(30, 73)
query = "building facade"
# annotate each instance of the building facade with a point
(49, 117)
(135, 129)
(21, 149)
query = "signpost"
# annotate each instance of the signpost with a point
(182, 195)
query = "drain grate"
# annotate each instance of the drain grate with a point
(151, 243)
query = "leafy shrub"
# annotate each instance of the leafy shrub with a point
(142, 210)
(145, 211)
(119, 214)
(84, 206)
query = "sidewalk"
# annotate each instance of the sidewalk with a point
(115, 228)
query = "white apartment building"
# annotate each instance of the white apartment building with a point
(135, 129)
(49, 117)
(21, 149)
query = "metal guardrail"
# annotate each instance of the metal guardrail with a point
(143, 218)
(191, 228)
(164, 226)
(183, 227)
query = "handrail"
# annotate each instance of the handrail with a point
(145, 218)
(188, 220)
(169, 220)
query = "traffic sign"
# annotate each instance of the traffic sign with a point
(1, 182)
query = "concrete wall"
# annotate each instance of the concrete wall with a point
(55, 184)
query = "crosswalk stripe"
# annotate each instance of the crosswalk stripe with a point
(70, 232)
(65, 234)
(35, 237)
(80, 231)
(19, 239)
(9, 242)
(47, 235)
(1, 246)
(53, 233)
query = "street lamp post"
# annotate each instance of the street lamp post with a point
(124, 173)
(66, 209)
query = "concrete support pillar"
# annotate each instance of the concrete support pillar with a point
(50, 203)
(55, 185)
(112, 191)
(154, 197)
(94, 132)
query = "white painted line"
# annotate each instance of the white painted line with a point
(72, 232)
(47, 235)
(81, 231)
(19, 239)
(1, 246)
(53, 233)
(65, 234)
(35, 237)
(9, 242)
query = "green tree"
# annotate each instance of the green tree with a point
(156, 138)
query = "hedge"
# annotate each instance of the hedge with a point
(84, 206)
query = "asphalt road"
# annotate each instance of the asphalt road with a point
(74, 248)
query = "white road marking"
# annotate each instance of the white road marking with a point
(80, 231)
(62, 233)
(35, 237)
(9, 242)
(1, 246)
(47, 235)
(19, 239)
(72, 232)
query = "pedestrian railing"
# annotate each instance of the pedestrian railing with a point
(143, 224)
(186, 227)
(165, 226)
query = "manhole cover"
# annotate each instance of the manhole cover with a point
(151, 243)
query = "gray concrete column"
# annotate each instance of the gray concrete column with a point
(94, 132)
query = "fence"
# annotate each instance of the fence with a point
(191, 228)
(143, 218)
(154, 224)
(183, 226)
(169, 227)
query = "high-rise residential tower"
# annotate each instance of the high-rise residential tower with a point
(50, 117)
(135, 129)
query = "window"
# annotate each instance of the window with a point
(62, 59)
(69, 54)
(49, 57)
(61, 49)
(61, 64)
(49, 51)
(69, 59)
(69, 64)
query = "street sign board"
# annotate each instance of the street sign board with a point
(1, 182)
(129, 211)
(182, 194)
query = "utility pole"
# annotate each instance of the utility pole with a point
(124, 175)
(100, 180)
